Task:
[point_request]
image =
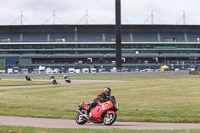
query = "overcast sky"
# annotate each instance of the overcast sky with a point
(99, 11)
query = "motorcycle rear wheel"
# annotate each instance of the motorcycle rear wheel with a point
(79, 120)
(109, 119)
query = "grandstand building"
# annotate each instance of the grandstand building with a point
(33, 45)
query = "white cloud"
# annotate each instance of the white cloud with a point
(102, 11)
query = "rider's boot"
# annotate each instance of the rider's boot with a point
(88, 110)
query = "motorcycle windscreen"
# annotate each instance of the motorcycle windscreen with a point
(84, 105)
(113, 98)
(108, 104)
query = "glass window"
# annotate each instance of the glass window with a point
(4, 52)
(48, 46)
(133, 45)
(159, 46)
(127, 46)
(127, 51)
(82, 52)
(25, 61)
(103, 46)
(60, 52)
(82, 46)
(70, 46)
(70, 52)
(107, 52)
(15, 46)
(181, 46)
(138, 45)
(5, 46)
(92, 52)
(148, 46)
(37, 46)
(112, 46)
(192, 46)
(59, 46)
(15, 52)
(27, 46)
(170, 46)
(28, 52)
(93, 46)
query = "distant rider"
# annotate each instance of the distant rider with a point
(67, 79)
(53, 80)
(51, 77)
(28, 78)
(102, 97)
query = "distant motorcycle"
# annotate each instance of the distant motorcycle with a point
(54, 82)
(68, 81)
(28, 78)
(103, 113)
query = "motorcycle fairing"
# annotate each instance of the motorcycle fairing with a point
(111, 112)
(97, 112)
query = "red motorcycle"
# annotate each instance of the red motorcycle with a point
(103, 113)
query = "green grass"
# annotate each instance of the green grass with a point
(22, 83)
(13, 129)
(150, 99)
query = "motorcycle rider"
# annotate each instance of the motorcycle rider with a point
(102, 97)
(51, 77)
(53, 80)
(67, 79)
(28, 78)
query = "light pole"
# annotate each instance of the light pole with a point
(118, 35)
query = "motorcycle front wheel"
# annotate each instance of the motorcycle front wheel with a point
(109, 119)
(80, 120)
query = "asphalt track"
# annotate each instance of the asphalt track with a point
(62, 82)
(63, 123)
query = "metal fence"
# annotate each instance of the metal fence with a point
(109, 74)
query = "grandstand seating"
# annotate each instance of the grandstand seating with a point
(172, 37)
(62, 37)
(193, 37)
(79, 42)
(145, 37)
(126, 37)
(98, 37)
(110, 36)
(35, 37)
(90, 37)
(9, 37)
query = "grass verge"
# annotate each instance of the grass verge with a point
(22, 83)
(13, 129)
(149, 99)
